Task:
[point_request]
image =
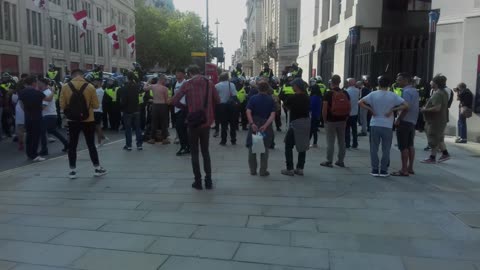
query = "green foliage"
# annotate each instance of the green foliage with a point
(167, 37)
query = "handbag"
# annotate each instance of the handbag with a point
(466, 112)
(198, 118)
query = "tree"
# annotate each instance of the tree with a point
(168, 37)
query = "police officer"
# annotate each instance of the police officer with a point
(266, 72)
(276, 97)
(138, 71)
(287, 92)
(97, 73)
(323, 89)
(53, 73)
(238, 72)
(423, 95)
(7, 85)
(111, 104)
(242, 99)
(296, 71)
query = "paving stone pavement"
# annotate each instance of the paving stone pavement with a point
(144, 215)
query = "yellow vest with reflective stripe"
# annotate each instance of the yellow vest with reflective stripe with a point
(398, 91)
(322, 87)
(112, 93)
(242, 95)
(140, 97)
(6, 86)
(52, 74)
(276, 92)
(288, 90)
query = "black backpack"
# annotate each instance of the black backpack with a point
(77, 109)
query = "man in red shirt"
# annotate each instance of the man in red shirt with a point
(195, 92)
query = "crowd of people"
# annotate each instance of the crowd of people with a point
(33, 107)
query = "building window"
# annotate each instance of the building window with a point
(349, 10)
(57, 2)
(88, 42)
(72, 5)
(419, 5)
(100, 45)
(99, 14)
(292, 25)
(88, 7)
(8, 21)
(73, 36)
(325, 14)
(316, 21)
(56, 36)
(34, 28)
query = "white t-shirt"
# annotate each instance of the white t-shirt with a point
(19, 114)
(354, 94)
(100, 94)
(382, 102)
(49, 107)
(175, 91)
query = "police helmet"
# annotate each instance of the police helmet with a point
(417, 80)
(319, 79)
(51, 65)
(275, 79)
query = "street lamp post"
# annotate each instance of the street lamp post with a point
(221, 45)
(208, 37)
(433, 16)
(217, 23)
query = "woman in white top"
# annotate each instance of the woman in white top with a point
(19, 121)
(49, 114)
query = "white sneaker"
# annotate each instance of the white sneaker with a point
(39, 159)
(100, 172)
(51, 140)
(72, 175)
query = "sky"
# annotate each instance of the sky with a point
(231, 15)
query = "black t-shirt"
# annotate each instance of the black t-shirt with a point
(466, 98)
(365, 92)
(299, 106)
(328, 98)
(32, 103)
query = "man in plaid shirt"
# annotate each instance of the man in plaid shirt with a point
(194, 91)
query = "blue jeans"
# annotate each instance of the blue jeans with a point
(49, 125)
(132, 120)
(462, 127)
(384, 136)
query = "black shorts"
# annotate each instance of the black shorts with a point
(405, 135)
(98, 118)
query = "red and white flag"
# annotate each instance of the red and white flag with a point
(113, 36)
(41, 4)
(82, 20)
(131, 44)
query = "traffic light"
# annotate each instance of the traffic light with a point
(218, 53)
